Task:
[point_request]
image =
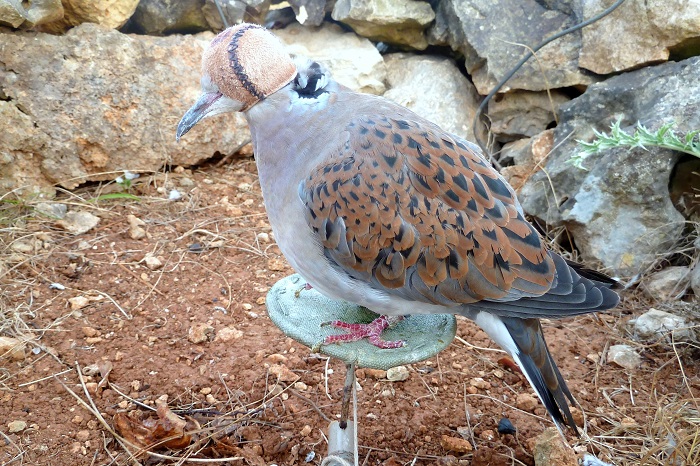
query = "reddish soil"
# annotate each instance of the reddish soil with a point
(217, 269)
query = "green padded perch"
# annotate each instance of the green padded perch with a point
(299, 313)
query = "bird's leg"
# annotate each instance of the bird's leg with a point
(371, 331)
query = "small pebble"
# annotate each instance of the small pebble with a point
(16, 426)
(397, 374)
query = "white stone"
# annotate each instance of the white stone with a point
(657, 324)
(668, 284)
(624, 356)
(78, 223)
(152, 262)
(397, 374)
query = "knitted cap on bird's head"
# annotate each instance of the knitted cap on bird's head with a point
(248, 63)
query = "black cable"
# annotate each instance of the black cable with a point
(221, 13)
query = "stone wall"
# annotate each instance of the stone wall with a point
(85, 94)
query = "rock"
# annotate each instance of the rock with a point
(398, 22)
(526, 402)
(16, 13)
(283, 373)
(23, 247)
(310, 12)
(695, 280)
(135, 224)
(525, 155)
(486, 33)
(668, 284)
(455, 444)
(624, 356)
(618, 211)
(152, 262)
(549, 449)
(16, 426)
(450, 102)
(52, 209)
(235, 11)
(78, 222)
(108, 121)
(397, 374)
(480, 383)
(11, 348)
(160, 17)
(111, 14)
(353, 60)
(655, 324)
(376, 374)
(78, 302)
(227, 334)
(523, 114)
(90, 332)
(200, 332)
(637, 33)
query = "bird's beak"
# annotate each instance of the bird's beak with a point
(199, 110)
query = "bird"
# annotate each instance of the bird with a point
(374, 205)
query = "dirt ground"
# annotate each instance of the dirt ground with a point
(192, 325)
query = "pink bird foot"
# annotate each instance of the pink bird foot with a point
(371, 331)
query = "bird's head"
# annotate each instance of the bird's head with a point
(242, 65)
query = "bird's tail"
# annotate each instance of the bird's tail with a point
(524, 341)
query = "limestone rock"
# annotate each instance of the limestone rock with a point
(619, 210)
(655, 324)
(11, 348)
(100, 109)
(398, 22)
(486, 33)
(450, 101)
(78, 222)
(624, 356)
(637, 33)
(158, 17)
(353, 61)
(550, 450)
(523, 114)
(667, 284)
(16, 13)
(111, 14)
(397, 374)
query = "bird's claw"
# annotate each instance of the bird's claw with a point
(371, 331)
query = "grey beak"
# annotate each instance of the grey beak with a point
(198, 111)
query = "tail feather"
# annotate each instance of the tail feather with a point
(524, 341)
(539, 367)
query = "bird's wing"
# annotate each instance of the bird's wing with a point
(417, 213)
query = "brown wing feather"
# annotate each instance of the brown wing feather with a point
(410, 209)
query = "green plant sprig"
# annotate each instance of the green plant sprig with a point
(664, 137)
